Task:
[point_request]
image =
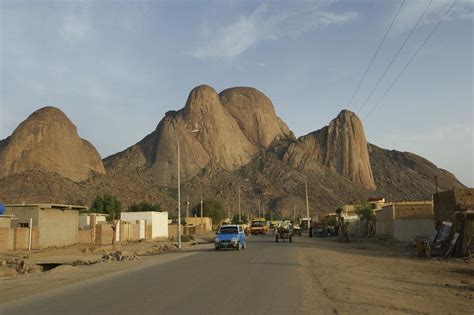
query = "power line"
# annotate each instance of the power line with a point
(376, 53)
(412, 58)
(395, 57)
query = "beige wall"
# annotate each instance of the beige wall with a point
(23, 214)
(6, 239)
(387, 213)
(406, 229)
(384, 227)
(58, 227)
(103, 234)
(206, 221)
(5, 222)
(84, 237)
(414, 210)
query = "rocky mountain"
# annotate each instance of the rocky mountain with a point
(228, 140)
(231, 127)
(341, 147)
(407, 176)
(255, 115)
(47, 140)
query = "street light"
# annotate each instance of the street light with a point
(179, 193)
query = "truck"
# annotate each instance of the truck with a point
(258, 226)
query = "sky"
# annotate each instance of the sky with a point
(116, 67)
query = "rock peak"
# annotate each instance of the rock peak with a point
(47, 140)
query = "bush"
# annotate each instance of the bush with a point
(108, 204)
(211, 208)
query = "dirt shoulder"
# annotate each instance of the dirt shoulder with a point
(378, 277)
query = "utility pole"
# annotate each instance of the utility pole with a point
(310, 230)
(201, 214)
(179, 202)
(294, 214)
(259, 207)
(240, 213)
(187, 215)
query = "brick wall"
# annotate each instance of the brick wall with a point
(451, 206)
(103, 234)
(6, 239)
(414, 211)
(84, 237)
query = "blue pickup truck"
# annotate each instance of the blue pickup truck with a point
(230, 236)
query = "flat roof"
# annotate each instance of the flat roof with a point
(49, 205)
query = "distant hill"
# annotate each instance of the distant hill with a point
(227, 140)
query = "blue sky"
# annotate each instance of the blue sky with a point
(115, 67)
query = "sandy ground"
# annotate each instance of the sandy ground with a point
(378, 277)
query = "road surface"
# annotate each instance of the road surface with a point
(308, 276)
(265, 278)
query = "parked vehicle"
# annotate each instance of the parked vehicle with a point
(258, 226)
(230, 236)
(296, 229)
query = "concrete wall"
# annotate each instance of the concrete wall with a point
(85, 219)
(129, 231)
(21, 236)
(157, 220)
(23, 214)
(452, 206)
(406, 229)
(84, 237)
(5, 222)
(173, 230)
(414, 210)
(58, 227)
(6, 239)
(384, 227)
(103, 234)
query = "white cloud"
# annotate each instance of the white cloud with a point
(230, 40)
(413, 9)
(74, 29)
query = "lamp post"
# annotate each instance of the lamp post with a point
(240, 213)
(179, 193)
(201, 214)
(310, 230)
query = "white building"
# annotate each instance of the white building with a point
(157, 220)
(85, 219)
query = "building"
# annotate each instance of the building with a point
(405, 220)
(52, 224)
(205, 222)
(457, 207)
(85, 219)
(376, 203)
(157, 220)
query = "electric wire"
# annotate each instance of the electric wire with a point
(375, 54)
(395, 56)
(411, 59)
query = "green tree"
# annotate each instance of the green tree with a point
(211, 208)
(144, 206)
(108, 204)
(365, 212)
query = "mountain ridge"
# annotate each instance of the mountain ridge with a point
(241, 141)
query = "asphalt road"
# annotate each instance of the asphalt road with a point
(265, 278)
